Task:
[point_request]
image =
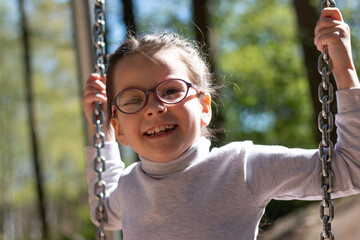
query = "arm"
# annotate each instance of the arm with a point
(281, 173)
(333, 32)
(275, 172)
(94, 92)
(111, 176)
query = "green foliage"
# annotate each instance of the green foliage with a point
(171, 16)
(262, 58)
(352, 18)
(266, 97)
(58, 120)
(14, 133)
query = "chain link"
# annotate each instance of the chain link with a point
(325, 125)
(98, 118)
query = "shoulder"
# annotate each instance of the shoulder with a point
(231, 149)
(230, 155)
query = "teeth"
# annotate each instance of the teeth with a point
(160, 129)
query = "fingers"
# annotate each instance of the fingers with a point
(330, 17)
(92, 95)
(95, 91)
(95, 86)
(331, 31)
(331, 36)
(96, 81)
(331, 12)
(330, 28)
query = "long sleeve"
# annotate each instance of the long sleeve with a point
(274, 172)
(111, 175)
(222, 193)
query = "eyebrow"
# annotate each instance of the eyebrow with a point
(167, 78)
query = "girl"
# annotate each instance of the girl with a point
(158, 96)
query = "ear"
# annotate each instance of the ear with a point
(205, 102)
(119, 133)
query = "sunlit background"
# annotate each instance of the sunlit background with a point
(258, 55)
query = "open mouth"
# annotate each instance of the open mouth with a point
(160, 130)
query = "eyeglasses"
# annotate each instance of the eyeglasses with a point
(171, 91)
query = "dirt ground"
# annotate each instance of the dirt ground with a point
(305, 224)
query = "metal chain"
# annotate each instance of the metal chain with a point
(325, 125)
(98, 118)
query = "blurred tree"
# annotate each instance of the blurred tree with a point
(268, 100)
(14, 149)
(258, 50)
(57, 109)
(83, 42)
(160, 16)
(307, 14)
(202, 28)
(129, 18)
(28, 74)
(260, 56)
(204, 36)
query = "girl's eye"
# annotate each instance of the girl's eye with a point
(133, 100)
(171, 93)
(131, 97)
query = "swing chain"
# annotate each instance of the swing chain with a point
(98, 118)
(325, 125)
(99, 36)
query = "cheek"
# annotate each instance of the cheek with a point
(128, 124)
(193, 111)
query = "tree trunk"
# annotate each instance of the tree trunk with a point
(129, 17)
(202, 30)
(201, 19)
(84, 51)
(31, 119)
(307, 16)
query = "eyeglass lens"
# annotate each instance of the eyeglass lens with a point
(170, 92)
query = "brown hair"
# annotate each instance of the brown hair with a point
(148, 45)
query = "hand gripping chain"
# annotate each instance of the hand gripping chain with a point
(98, 118)
(325, 125)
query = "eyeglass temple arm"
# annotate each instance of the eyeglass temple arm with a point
(196, 87)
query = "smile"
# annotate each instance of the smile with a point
(160, 130)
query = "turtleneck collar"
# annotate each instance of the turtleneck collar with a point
(162, 169)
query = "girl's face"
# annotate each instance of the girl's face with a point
(176, 126)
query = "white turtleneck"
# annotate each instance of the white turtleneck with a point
(222, 193)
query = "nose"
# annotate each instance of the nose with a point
(154, 106)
